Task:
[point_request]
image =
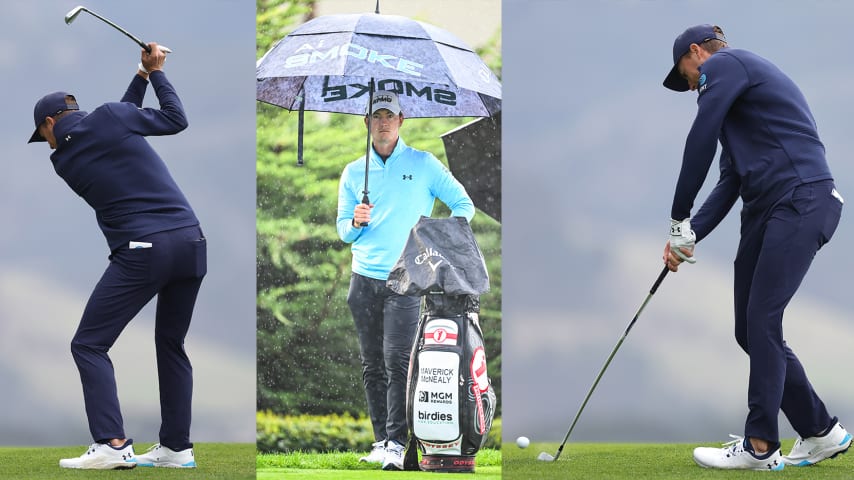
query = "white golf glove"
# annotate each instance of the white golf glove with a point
(681, 236)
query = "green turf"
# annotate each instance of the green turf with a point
(216, 461)
(318, 466)
(639, 461)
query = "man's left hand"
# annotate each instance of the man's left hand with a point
(682, 239)
(154, 60)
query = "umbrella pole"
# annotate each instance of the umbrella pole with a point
(365, 199)
(300, 122)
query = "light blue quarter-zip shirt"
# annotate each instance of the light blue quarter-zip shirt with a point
(402, 190)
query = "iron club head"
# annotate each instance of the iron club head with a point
(545, 457)
(70, 16)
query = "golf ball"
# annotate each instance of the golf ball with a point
(523, 442)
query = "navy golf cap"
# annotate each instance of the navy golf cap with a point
(48, 106)
(696, 34)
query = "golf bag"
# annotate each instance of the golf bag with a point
(450, 401)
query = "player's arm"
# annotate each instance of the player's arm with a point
(719, 201)
(725, 80)
(170, 117)
(449, 190)
(347, 202)
(135, 92)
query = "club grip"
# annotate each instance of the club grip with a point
(658, 281)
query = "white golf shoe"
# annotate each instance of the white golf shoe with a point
(735, 456)
(809, 451)
(377, 454)
(393, 456)
(162, 456)
(100, 456)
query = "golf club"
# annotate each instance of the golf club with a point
(545, 456)
(70, 16)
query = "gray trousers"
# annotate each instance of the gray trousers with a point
(386, 324)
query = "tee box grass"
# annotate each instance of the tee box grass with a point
(641, 461)
(216, 461)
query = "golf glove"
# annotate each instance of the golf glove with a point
(681, 236)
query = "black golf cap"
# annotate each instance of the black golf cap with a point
(48, 106)
(696, 34)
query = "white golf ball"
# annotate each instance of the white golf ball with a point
(523, 442)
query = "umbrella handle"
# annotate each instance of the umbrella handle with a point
(366, 202)
(365, 199)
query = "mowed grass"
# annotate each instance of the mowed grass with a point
(216, 461)
(320, 466)
(638, 461)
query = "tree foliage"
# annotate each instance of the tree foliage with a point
(308, 353)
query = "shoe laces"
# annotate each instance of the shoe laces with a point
(153, 448)
(736, 444)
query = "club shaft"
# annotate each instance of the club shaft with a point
(610, 357)
(110, 23)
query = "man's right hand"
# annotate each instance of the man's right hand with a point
(154, 60)
(362, 214)
(672, 260)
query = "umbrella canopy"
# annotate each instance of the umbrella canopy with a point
(328, 64)
(334, 63)
(474, 156)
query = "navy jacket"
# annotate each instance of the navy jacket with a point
(104, 157)
(768, 134)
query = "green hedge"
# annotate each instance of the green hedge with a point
(326, 433)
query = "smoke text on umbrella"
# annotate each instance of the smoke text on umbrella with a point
(352, 50)
(333, 93)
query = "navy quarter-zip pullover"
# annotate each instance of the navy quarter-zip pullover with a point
(768, 134)
(104, 157)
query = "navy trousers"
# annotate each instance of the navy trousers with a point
(773, 257)
(172, 268)
(386, 324)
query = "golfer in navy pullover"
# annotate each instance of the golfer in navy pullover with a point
(156, 248)
(773, 159)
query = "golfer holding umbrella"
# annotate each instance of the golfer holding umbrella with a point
(156, 248)
(404, 185)
(773, 159)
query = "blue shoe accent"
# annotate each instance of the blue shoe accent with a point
(144, 464)
(845, 440)
(190, 464)
(803, 464)
(778, 467)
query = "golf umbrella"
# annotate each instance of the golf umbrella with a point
(474, 156)
(331, 63)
